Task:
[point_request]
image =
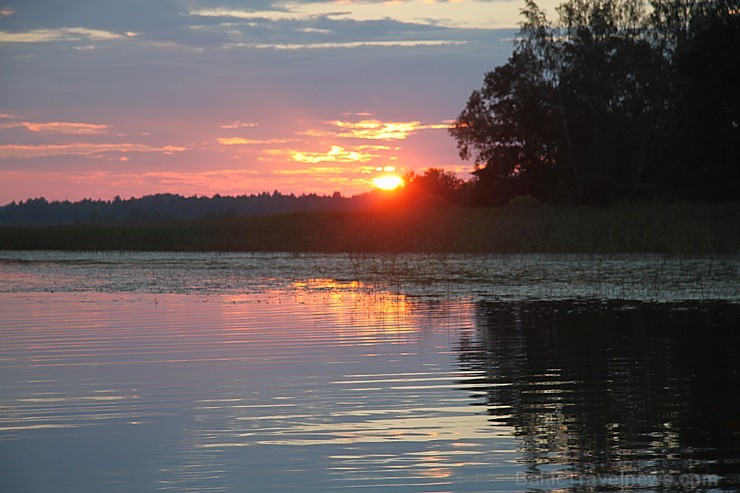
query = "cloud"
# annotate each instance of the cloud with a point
(313, 170)
(116, 16)
(59, 34)
(234, 141)
(475, 14)
(285, 25)
(238, 124)
(292, 25)
(82, 149)
(335, 154)
(379, 130)
(62, 128)
(346, 44)
(241, 14)
(199, 178)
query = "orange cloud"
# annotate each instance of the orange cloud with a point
(314, 170)
(379, 130)
(71, 128)
(375, 129)
(336, 154)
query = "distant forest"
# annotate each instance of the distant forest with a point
(169, 207)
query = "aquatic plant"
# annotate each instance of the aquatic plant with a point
(638, 227)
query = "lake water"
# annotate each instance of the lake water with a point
(274, 372)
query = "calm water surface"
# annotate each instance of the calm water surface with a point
(238, 373)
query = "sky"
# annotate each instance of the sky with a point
(100, 98)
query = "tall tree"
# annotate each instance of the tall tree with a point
(507, 126)
(610, 102)
(705, 123)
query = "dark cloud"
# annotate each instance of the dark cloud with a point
(113, 15)
(140, 75)
(187, 64)
(212, 24)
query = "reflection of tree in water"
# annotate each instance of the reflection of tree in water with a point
(614, 388)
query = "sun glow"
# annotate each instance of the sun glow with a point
(388, 182)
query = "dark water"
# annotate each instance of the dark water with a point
(617, 394)
(131, 373)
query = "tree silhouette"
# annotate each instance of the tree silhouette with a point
(435, 183)
(611, 102)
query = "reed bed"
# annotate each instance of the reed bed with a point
(521, 227)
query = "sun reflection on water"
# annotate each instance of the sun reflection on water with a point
(332, 365)
(345, 312)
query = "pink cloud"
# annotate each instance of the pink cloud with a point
(44, 150)
(66, 128)
(233, 141)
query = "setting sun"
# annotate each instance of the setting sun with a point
(388, 182)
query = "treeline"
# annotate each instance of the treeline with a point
(169, 207)
(615, 100)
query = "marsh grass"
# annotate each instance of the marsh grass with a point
(641, 227)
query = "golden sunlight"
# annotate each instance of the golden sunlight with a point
(388, 182)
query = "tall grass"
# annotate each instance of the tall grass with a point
(521, 227)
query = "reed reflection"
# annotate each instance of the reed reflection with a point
(612, 389)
